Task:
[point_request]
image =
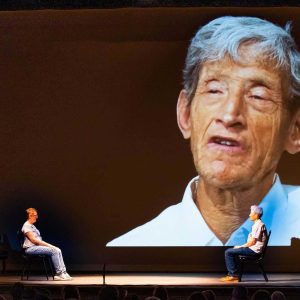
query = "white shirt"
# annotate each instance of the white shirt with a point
(183, 225)
(30, 227)
(259, 233)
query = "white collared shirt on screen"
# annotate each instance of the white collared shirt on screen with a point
(183, 225)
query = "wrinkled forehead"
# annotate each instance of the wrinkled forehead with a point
(246, 69)
(252, 55)
(252, 52)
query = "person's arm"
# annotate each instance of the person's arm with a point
(35, 241)
(256, 231)
(251, 241)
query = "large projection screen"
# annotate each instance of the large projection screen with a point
(88, 130)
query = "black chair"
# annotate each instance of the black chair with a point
(4, 247)
(3, 257)
(255, 259)
(29, 259)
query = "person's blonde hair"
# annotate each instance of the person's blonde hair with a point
(30, 210)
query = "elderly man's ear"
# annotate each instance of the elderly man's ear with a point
(293, 140)
(184, 114)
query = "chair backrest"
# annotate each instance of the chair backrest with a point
(4, 243)
(264, 249)
(20, 237)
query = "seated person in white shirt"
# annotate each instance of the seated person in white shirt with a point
(253, 246)
(240, 108)
(34, 244)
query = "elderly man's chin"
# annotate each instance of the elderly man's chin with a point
(224, 175)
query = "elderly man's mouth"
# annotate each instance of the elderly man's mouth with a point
(225, 144)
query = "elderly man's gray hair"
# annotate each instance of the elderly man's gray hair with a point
(223, 36)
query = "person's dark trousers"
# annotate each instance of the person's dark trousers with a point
(230, 258)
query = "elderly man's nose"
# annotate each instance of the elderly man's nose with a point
(232, 111)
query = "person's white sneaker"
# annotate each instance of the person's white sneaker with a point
(62, 276)
(67, 276)
(59, 277)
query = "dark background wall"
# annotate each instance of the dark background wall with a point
(88, 130)
(79, 4)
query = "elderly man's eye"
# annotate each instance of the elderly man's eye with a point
(214, 87)
(262, 103)
(257, 97)
(214, 91)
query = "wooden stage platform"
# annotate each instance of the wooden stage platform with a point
(179, 285)
(166, 279)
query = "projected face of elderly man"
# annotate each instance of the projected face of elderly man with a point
(239, 115)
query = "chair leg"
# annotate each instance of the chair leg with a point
(263, 271)
(23, 270)
(241, 270)
(44, 263)
(28, 268)
(3, 265)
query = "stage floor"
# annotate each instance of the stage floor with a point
(166, 279)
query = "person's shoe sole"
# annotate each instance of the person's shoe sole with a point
(61, 278)
(229, 279)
